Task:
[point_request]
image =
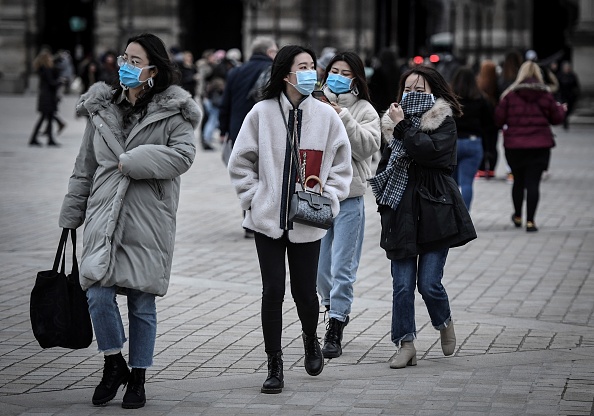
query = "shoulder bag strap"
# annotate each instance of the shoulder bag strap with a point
(292, 139)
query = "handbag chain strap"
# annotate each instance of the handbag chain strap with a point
(292, 139)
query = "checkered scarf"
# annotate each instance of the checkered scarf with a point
(388, 186)
(415, 104)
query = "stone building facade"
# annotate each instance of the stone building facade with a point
(471, 29)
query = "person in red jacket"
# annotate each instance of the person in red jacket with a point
(526, 112)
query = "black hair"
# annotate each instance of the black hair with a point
(167, 72)
(464, 84)
(357, 68)
(281, 66)
(439, 86)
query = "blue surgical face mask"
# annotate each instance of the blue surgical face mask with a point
(306, 81)
(130, 75)
(339, 84)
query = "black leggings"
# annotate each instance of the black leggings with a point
(527, 166)
(303, 269)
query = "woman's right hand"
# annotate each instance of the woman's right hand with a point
(396, 113)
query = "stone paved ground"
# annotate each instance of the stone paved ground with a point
(523, 303)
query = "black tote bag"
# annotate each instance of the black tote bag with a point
(59, 309)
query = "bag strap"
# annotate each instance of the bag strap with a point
(291, 138)
(61, 252)
(74, 261)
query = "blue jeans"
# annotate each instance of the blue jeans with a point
(425, 272)
(109, 328)
(339, 258)
(212, 123)
(470, 156)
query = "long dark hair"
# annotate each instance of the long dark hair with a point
(281, 66)
(167, 72)
(439, 86)
(464, 84)
(358, 69)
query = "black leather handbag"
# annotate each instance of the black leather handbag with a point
(311, 208)
(59, 309)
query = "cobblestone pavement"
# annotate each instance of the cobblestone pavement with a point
(523, 303)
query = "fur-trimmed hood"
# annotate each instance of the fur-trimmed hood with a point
(430, 121)
(100, 95)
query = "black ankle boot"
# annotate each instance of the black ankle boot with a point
(332, 340)
(275, 382)
(314, 361)
(115, 373)
(135, 397)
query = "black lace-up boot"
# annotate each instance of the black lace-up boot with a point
(135, 397)
(314, 361)
(275, 382)
(115, 373)
(332, 340)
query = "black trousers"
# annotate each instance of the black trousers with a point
(527, 166)
(303, 269)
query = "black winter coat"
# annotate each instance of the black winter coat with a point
(431, 215)
(47, 99)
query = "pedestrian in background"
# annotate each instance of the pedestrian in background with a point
(189, 73)
(422, 212)
(139, 139)
(237, 102)
(47, 99)
(472, 127)
(487, 83)
(237, 97)
(345, 90)
(569, 89)
(526, 111)
(264, 173)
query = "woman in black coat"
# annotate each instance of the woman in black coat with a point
(422, 211)
(47, 100)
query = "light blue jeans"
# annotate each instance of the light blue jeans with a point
(109, 328)
(212, 123)
(470, 156)
(424, 272)
(340, 253)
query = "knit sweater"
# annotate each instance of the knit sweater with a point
(263, 172)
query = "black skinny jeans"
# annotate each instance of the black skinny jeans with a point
(303, 269)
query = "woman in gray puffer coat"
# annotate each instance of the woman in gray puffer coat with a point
(139, 139)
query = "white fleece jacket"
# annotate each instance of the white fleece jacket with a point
(259, 164)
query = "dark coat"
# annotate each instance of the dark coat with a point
(526, 114)
(431, 215)
(47, 99)
(236, 98)
(477, 119)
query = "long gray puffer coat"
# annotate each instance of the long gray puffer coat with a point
(130, 215)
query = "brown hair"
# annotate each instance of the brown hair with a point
(487, 81)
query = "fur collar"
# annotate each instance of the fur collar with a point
(99, 97)
(430, 121)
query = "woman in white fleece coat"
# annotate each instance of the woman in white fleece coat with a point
(264, 175)
(347, 93)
